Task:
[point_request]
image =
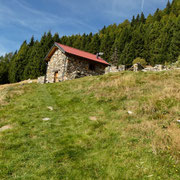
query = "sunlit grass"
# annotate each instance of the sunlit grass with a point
(90, 134)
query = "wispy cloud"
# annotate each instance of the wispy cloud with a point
(29, 17)
(142, 6)
(20, 19)
(119, 7)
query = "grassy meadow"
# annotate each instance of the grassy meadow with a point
(115, 126)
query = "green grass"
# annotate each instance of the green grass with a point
(90, 134)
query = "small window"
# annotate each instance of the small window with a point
(92, 67)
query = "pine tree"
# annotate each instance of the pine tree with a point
(77, 42)
(56, 38)
(88, 41)
(142, 19)
(31, 43)
(106, 45)
(94, 46)
(4, 68)
(168, 8)
(175, 7)
(137, 20)
(133, 21)
(18, 64)
(115, 57)
(83, 42)
(174, 49)
(157, 15)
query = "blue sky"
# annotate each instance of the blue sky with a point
(20, 19)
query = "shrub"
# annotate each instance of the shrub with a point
(140, 60)
(178, 62)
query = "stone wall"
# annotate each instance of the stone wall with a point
(69, 67)
(78, 67)
(111, 69)
(57, 63)
(41, 79)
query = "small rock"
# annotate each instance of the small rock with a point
(130, 112)
(178, 121)
(92, 118)
(29, 81)
(4, 128)
(46, 119)
(50, 108)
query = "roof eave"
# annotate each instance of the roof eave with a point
(55, 45)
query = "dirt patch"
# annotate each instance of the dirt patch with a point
(92, 118)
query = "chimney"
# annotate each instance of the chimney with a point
(99, 54)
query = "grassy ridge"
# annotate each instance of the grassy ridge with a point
(90, 134)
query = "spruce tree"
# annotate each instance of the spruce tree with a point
(133, 21)
(56, 38)
(115, 57)
(18, 64)
(142, 18)
(174, 49)
(4, 68)
(94, 46)
(168, 8)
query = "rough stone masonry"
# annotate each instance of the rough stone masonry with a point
(63, 67)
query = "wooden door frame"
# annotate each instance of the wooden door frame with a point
(56, 76)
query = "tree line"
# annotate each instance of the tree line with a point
(155, 39)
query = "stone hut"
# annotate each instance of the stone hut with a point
(66, 63)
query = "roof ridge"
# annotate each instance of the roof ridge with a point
(80, 53)
(80, 50)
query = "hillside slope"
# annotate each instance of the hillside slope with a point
(116, 126)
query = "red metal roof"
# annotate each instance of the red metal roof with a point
(81, 53)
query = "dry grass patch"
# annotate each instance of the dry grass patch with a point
(7, 91)
(174, 132)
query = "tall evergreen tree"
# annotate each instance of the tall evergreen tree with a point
(157, 15)
(18, 64)
(115, 57)
(56, 37)
(142, 18)
(168, 8)
(94, 46)
(133, 21)
(4, 68)
(175, 42)
(137, 20)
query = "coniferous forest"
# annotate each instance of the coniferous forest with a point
(155, 39)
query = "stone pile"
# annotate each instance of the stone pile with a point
(112, 68)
